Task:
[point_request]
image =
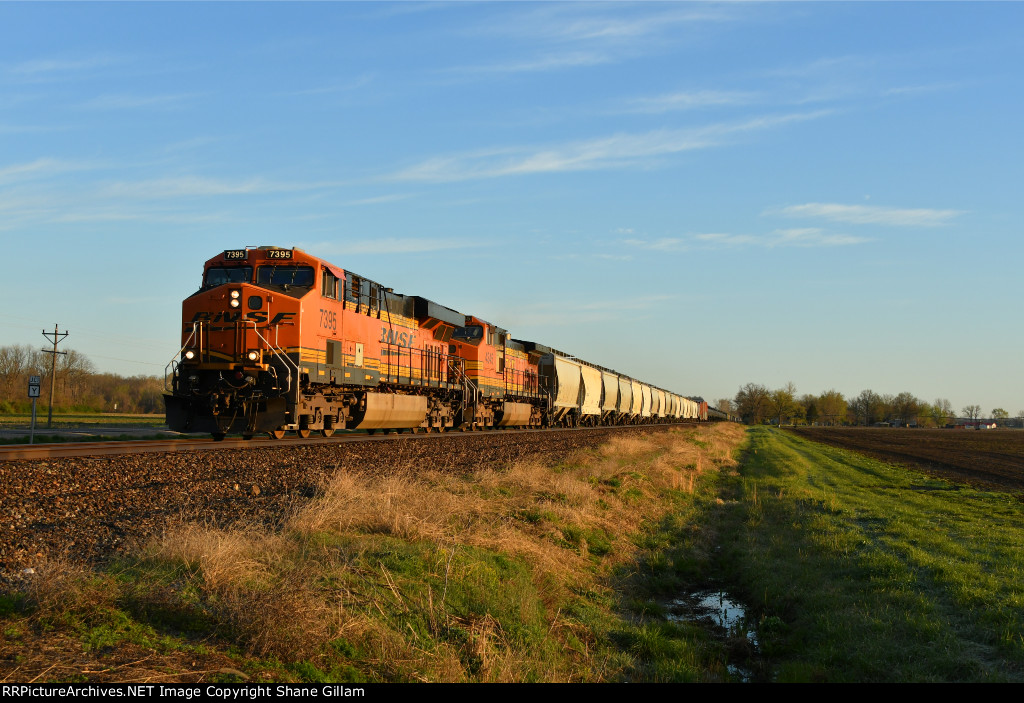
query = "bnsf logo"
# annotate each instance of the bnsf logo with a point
(401, 339)
(257, 317)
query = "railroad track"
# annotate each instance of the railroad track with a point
(56, 450)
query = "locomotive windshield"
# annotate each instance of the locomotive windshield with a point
(470, 333)
(285, 277)
(219, 275)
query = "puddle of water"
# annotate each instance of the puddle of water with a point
(725, 617)
(716, 607)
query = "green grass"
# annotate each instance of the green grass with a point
(113, 425)
(78, 419)
(56, 439)
(865, 571)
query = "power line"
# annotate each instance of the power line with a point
(58, 337)
(106, 336)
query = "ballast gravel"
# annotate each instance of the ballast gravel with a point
(91, 508)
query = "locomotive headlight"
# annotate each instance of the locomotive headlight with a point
(234, 303)
(236, 294)
(190, 355)
(253, 355)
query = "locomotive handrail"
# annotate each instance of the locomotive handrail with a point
(280, 353)
(457, 371)
(173, 363)
(398, 364)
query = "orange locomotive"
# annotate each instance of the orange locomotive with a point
(278, 340)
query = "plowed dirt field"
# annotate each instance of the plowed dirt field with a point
(987, 458)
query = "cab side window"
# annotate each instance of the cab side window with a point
(329, 285)
(352, 286)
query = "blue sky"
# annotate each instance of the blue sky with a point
(696, 194)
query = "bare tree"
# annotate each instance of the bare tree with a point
(13, 363)
(942, 410)
(73, 371)
(971, 412)
(905, 407)
(781, 402)
(833, 406)
(809, 405)
(752, 403)
(866, 407)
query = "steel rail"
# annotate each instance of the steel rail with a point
(155, 446)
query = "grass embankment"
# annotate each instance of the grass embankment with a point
(86, 419)
(866, 571)
(852, 570)
(86, 427)
(520, 573)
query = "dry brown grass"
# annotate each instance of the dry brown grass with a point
(268, 587)
(227, 559)
(61, 586)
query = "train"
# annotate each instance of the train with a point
(277, 341)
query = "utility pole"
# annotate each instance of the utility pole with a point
(58, 337)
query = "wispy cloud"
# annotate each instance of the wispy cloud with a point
(662, 244)
(134, 102)
(390, 245)
(805, 237)
(26, 129)
(198, 186)
(811, 237)
(871, 214)
(589, 23)
(616, 151)
(54, 70)
(922, 89)
(826, 67)
(562, 313)
(49, 67)
(687, 100)
(337, 87)
(547, 62)
(575, 35)
(728, 240)
(38, 169)
(379, 200)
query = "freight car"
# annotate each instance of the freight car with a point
(277, 340)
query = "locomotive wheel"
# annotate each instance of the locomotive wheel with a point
(303, 432)
(247, 436)
(370, 432)
(276, 434)
(218, 436)
(327, 432)
(416, 430)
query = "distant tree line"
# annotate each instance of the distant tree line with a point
(757, 404)
(77, 387)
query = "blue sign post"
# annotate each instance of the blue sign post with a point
(33, 393)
